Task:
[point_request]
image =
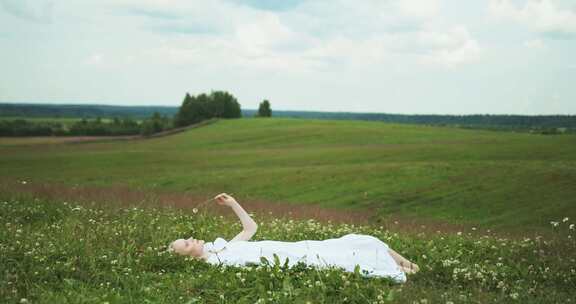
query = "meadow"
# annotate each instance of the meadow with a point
(99, 252)
(498, 180)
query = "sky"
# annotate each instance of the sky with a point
(385, 56)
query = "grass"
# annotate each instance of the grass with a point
(71, 252)
(487, 179)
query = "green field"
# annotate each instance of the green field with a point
(67, 252)
(490, 179)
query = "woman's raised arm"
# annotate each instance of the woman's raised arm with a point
(249, 225)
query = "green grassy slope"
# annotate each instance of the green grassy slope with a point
(467, 176)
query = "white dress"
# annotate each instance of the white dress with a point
(369, 252)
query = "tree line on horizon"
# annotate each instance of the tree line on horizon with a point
(194, 109)
(86, 127)
(205, 106)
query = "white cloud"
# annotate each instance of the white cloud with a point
(352, 19)
(418, 8)
(451, 48)
(35, 10)
(536, 44)
(220, 33)
(217, 15)
(543, 16)
(94, 60)
(314, 35)
(265, 34)
(319, 54)
(348, 52)
(450, 39)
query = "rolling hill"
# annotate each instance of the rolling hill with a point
(492, 179)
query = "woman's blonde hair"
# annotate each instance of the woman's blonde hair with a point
(170, 248)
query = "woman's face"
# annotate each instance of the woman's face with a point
(191, 247)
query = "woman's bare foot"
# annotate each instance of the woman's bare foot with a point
(409, 267)
(405, 270)
(414, 267)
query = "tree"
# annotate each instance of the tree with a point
(219, 104)
(147, 128)
(189, 112)
(226, 104)
(264, 109)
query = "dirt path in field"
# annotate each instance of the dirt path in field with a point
(125, 196)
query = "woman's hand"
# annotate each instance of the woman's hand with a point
(249, 226)
(225, 199)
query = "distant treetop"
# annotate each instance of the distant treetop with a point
(218, 104)
(264, 109)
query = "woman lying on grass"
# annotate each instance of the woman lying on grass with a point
(368, 252)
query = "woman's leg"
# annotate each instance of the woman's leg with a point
(406, 265)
